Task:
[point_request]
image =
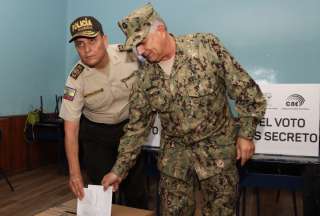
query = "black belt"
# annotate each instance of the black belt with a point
(89, 122)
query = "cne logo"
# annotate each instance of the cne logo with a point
(295, 100)
(81, 23)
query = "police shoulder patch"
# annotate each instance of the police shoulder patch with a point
(69, 93)
(77, 71)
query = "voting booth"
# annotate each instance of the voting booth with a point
(291, 123)
(286, 140)
(290, 126)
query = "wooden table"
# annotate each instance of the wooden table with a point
(69, 209)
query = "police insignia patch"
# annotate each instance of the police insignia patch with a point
(77, 71)
(69, 93)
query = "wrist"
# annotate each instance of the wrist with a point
(246, 138)
(75, 175)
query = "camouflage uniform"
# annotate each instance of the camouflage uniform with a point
(199, 133)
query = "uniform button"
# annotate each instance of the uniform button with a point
(220, 163)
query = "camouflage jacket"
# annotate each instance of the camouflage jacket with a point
(199, 131)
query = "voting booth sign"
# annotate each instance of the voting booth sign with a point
(291, 123)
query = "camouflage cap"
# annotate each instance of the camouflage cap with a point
(85, 26)
(137, 24)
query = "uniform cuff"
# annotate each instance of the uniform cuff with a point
(247, 127)
(119, 170)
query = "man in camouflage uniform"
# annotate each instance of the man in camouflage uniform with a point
(186, 80)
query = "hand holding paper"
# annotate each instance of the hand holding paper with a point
(111, 179)
(96, 202)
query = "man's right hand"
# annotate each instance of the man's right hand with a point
(111, 179)
(76, 185)
(71, 131)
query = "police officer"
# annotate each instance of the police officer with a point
(186, 80)
(98, 89)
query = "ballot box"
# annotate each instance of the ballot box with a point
(69, 208)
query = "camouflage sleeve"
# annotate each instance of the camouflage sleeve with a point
(136, 131)
(250, 103)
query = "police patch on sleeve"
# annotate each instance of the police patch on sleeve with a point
(69, 93)
(77, 71)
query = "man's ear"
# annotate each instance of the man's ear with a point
(105, 41)
(161, 28)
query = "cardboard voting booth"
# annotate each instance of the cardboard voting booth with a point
(69, 208)
(291, 123)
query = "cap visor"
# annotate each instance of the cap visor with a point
(135, 39)
(83, 35)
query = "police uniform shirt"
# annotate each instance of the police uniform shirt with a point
(101, 95)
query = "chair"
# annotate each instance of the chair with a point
(48, 131)
(2, 173)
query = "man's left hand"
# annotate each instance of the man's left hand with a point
(245, 149)
(111, 179)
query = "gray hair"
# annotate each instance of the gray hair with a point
(155, 23)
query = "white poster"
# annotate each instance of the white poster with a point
(154, 135)
(291, 122)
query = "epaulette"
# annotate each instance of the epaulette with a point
(77, 71)
(121, 48)
(124, 80)
(131, 57)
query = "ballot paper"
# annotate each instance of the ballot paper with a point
(96, 201)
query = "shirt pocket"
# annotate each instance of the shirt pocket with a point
(201, 83)
(158, 99)
(97, 99)
(222, 159)
(202, 94)
(123, 87)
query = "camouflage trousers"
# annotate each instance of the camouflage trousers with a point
(219, 195)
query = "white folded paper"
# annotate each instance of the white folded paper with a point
(96, 202)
